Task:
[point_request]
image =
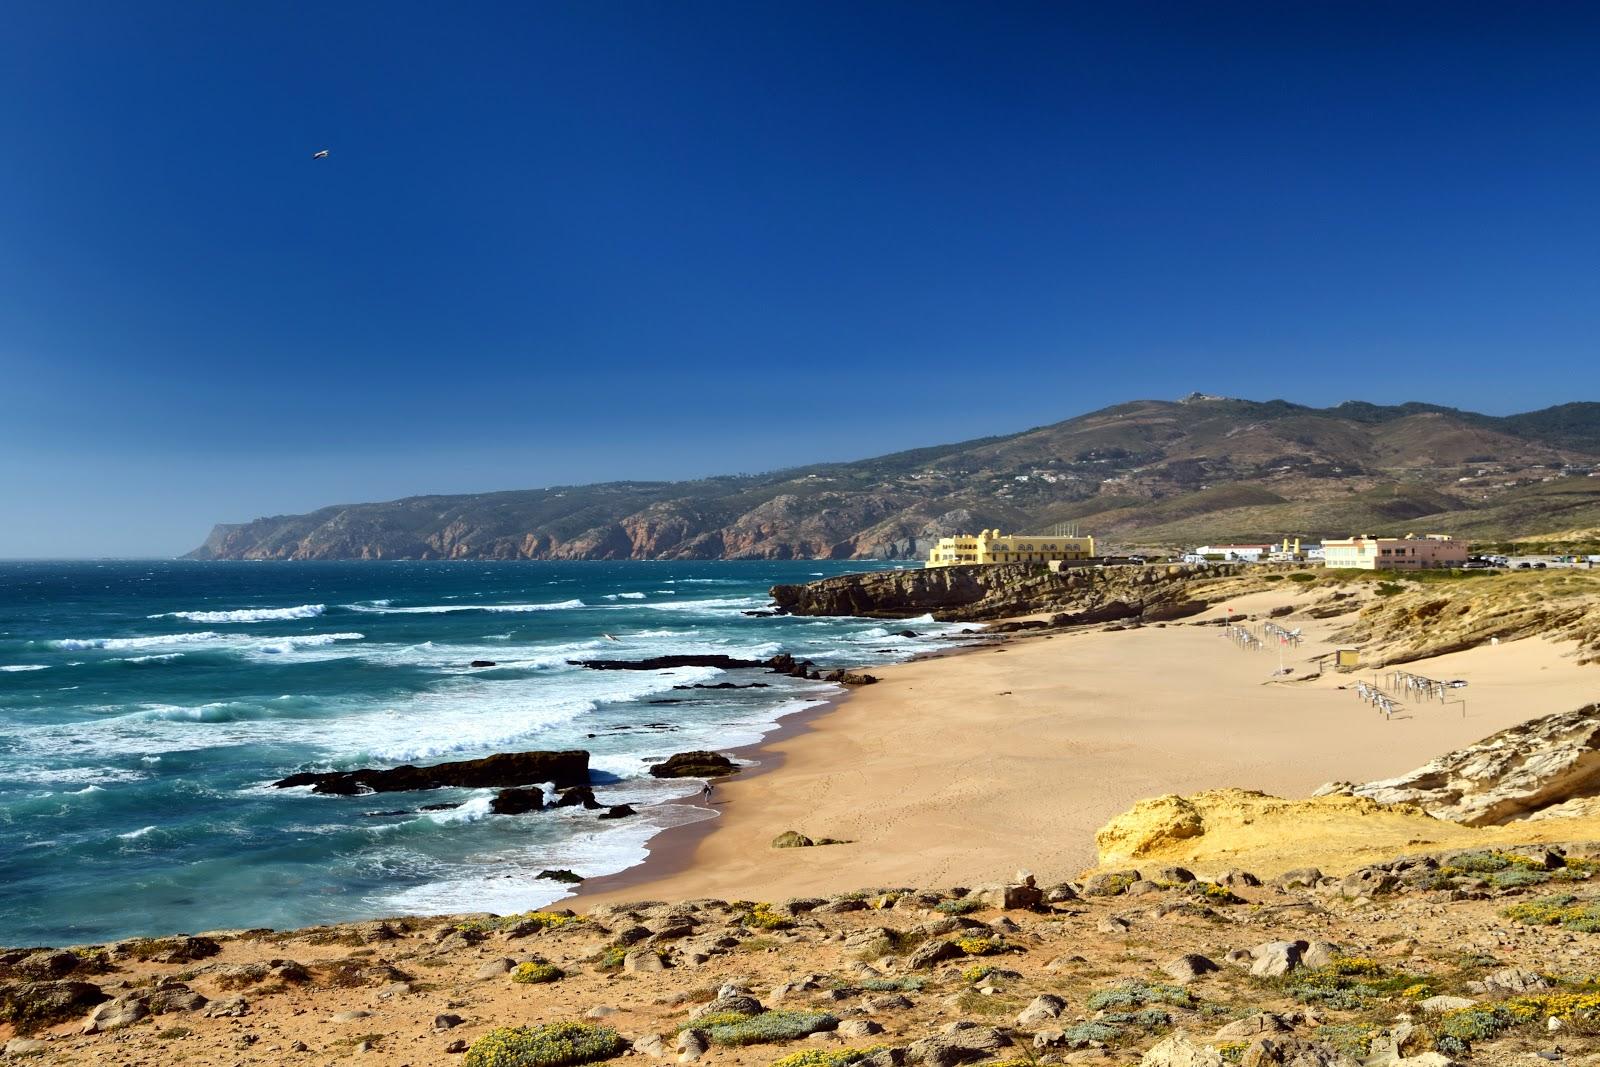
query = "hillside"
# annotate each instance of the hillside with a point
(1147, 473)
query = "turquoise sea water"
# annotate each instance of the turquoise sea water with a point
(145, 708)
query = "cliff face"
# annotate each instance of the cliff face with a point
(1088, 594)
(1148, 473)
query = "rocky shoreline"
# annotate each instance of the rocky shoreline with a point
(1422, 961)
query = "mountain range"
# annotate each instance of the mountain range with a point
(1145, 474)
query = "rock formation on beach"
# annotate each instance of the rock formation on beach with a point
(1510, 775)
(492, 772)
(1148, 472)
(1080, 595)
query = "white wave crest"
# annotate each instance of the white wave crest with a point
(379, 607)
(14, 667)
(133, 835)
(303, 611)
(206, 638)
(625, 596)
(714, 605)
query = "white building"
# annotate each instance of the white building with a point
(1235, 553)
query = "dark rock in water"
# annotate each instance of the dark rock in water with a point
(517, 801)
(694, 765)
(386, 814)
(783, 663)
(726, 685)
(669, 700)
(482, 663)
(850, 678)
(439, 807)
(763, 614)
(577, 796)
(618, 811)
(662, 663)
(492, 772)
(908, 633)
(562, 875)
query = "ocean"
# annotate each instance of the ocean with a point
(146, 707)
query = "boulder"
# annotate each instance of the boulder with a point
(1275, 958)
(31, 1005)
(577, 796)
(1441, 1004)
(1176, 1050)
(1508, 775)
(517, 801)
(1012, 897)
(1188, 967)
(492, 772)
(617, 811)
(940, 1052)
(22, 1047)
(46, 965)
(932, 953)
(643, 961)
(116, 1014)
(1110, 883)
(1293, 1052)
(1253, 1026)
(561, 875)
(698, 764)
(1299, 878)
(792, 839)
(1040, 1010)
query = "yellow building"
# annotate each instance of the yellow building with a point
(991, 546)
(1395, 553)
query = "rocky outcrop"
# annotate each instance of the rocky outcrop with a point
(1509, 775)
(695, 765)
(1078, 596)
(492, 772)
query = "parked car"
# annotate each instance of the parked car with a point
(1524, 565)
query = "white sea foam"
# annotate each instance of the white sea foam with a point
(132, 835)
(303, 611)
(16, 667)
(378, 607)
(625, 596)
(717, 605)
(207, 639)
(160, 657)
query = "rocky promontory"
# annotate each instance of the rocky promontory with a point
(1081, 594)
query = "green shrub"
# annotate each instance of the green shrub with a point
(1353, 1039)
(768, 1027)
(1564, 909)
(964, 906)
(1350, 983)
(1147, 1019)
(554, 1045)
(1136, 994)
(1081, 1034)
(536, 973)
(819, 1057)
(1302, 576)
(544, 920)
(982, 946)
(894, 985)
(760, 916)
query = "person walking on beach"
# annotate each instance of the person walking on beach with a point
(705, 792)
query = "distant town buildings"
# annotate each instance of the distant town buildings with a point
(991, 546)
(1395, 553)
(1234, 553)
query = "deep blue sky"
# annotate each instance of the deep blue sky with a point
(569, 242)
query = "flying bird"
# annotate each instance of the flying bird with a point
(320, 155)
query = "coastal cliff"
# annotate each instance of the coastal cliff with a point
(1149, 472)
(959, 594)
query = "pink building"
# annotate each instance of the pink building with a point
(1395, 553)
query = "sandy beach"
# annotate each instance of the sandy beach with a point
(964, 768)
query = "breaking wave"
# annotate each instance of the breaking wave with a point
(304, 611)
(380, 607)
